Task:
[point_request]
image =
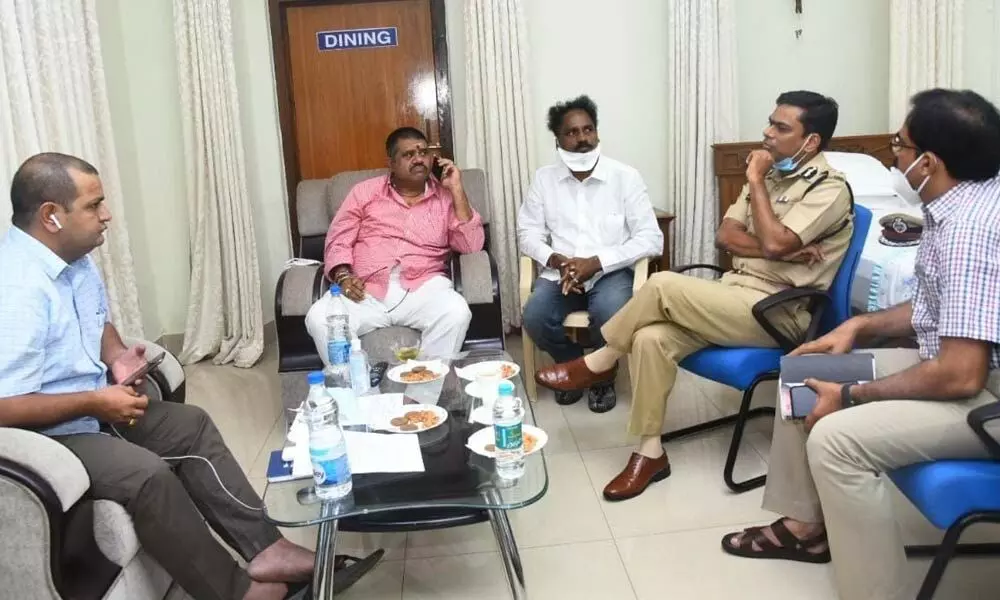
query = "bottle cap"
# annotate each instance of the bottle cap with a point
(315, 377)
(506, 388)
(356, 344)
(334, 290)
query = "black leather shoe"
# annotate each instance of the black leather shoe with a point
(567, 398)
(602, 398)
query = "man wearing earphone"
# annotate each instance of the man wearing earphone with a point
(58, 348)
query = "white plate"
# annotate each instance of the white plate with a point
(483, 414)
(470, 372)
(438, 367)
(472, 389)
(477, 441)
(441, 413)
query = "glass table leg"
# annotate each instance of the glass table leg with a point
(508, 550)
(326, 546)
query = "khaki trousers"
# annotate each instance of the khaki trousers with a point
(674, 315)
(170, 502)
(834, 475)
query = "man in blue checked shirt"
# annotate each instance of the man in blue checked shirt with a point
(824, 475)
(58, 347)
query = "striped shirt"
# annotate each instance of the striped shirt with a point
(52, 316)
(958, 269)
(375, 230)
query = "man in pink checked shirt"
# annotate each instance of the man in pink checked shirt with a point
(388, 247)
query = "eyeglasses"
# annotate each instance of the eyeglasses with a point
(897, 144)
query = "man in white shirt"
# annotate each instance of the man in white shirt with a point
(587, 219)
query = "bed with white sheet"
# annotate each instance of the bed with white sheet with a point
(885, 273)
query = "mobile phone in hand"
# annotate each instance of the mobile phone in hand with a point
(437, 170)
(151, 363)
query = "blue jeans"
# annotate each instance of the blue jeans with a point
(547, 309)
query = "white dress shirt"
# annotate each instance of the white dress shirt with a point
(607, 215)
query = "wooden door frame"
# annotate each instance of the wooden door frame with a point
(277, 16)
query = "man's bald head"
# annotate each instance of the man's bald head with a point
(45, 178)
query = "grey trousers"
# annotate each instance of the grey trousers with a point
(835, 475)
(170, 502)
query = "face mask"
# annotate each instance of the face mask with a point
(901, 185)
(789, 164)
(579, 162)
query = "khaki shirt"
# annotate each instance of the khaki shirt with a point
(814, 202)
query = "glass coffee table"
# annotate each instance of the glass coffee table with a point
(454, 478)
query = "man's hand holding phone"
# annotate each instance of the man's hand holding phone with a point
(119, 404)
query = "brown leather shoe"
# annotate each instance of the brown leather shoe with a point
(571, 376)
(636, 477)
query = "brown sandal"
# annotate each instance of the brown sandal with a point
(791, 548)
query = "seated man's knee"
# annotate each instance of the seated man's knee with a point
(645, 338)
(827, 442)
(316, 318)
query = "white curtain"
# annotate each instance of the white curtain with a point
(925, 50)
(53, 99)
(224, 317)
(500, 139)
(702, 110)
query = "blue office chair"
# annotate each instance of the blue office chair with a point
(745, 368)
(954, 494)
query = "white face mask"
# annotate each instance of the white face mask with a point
(902, 186)
(579, 162)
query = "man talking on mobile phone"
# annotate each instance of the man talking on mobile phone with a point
(58, 348)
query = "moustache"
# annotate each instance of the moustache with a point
(418, 167)
(583, 147)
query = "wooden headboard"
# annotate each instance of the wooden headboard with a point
(730, 165)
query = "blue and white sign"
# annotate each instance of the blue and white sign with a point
(349, 39)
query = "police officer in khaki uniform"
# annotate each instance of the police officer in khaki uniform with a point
(790, 227)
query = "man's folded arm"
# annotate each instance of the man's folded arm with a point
(343, 233)
(532, 233)
(645, 238)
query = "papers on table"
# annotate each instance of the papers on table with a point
(367, 453)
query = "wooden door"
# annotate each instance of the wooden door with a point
(349, 72)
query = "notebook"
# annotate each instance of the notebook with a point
(796, 400)
(278, 469)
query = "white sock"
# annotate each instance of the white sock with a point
(601, 360)
(650, 447)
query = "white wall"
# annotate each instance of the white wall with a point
(616, 52)
(141, 69)
(843, 52)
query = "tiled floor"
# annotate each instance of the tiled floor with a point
(663, 544)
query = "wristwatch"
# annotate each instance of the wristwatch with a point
(845, 396)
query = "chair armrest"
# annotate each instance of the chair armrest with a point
(526, 277)
(298, 288)
(476, 276)
(818, 302)
(685, 268)
(641, 268)
(978, 418)
(46, 459)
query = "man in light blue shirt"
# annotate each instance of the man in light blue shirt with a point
(58, 346)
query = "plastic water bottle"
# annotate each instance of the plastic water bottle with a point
(338, 330)
(508, 415)
(327, 447)
(360, 377)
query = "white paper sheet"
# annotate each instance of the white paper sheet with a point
(367, 453)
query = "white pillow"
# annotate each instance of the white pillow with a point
(867, 176)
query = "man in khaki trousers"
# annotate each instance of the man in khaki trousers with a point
(827, 475)
(790, 227)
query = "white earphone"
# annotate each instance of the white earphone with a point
(55, 222)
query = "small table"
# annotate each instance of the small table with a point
(454, 477)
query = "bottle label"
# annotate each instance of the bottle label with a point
(508, 437)
(338, 351)
(329, 470)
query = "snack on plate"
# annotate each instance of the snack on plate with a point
(507, 371)
(418, 374)
(416, 419)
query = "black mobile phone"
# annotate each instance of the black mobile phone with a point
(151, 363)
(803, 401)
(437, 170)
